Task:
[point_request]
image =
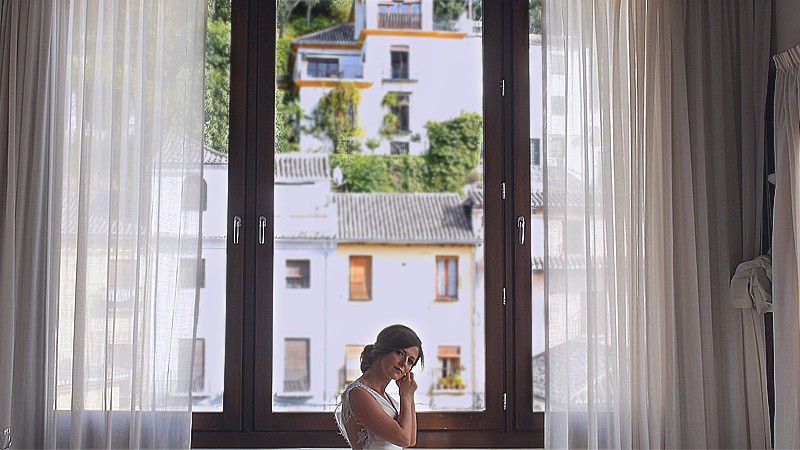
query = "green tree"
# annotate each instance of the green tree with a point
(287, 116)
(448, 11)
(454, 152)
(535, 17)
(335, 118)
(381, 173)
(217, 76)
(390, 123)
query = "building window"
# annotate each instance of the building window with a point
(450, 368)
(573, 237)
(536, 153)
(298, 274)
(447, 277)
(360, 277)
(296, 366)
(193, 273)
(400, 64)
(399, 148)
(352, 363)
(185, 347)
(400, 109)
(323, 67)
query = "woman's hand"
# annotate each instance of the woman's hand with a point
(407, 384)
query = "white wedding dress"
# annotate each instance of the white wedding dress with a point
(345, 419)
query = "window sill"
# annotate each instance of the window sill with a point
(445, 299)
(401, 80)
(435, 391)
(303, 394)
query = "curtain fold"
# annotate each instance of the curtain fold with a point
(654, 178)
(101, 116)
(28, 256)
(786, 250)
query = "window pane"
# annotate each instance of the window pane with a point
(366, 192)
(209, 371)
(537, 203)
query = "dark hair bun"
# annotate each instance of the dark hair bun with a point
(367, 357)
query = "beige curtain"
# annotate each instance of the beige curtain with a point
(786, 250)
(654, 178)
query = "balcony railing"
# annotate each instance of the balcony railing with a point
(347, 71)
(400, 21)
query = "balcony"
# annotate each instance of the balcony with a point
(339, 71)
(400, 21)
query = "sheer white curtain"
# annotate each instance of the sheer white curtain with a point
(117, 220)
(654, 140)
(786, 249)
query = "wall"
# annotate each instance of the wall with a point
(785, 28)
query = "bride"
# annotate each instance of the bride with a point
(367, 417)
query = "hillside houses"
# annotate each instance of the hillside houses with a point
(433, 70)
(345, 266)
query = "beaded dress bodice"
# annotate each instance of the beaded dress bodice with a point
(345, 418)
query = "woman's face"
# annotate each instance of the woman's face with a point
(396, 364)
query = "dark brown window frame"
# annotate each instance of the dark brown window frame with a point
(247, 419)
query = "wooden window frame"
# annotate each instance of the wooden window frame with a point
(368, 277)
(445, 297)
(301, 277)
(247, 419)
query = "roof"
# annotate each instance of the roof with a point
(403, 218)
(301, 167)
(560, 262)
(213, 157)
(343, 34)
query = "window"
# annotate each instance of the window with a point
(536, 156)
(401, 111)
(191, 268)
(323, 68)
(450, 370)
(447, 277)
(352, 363)
(298, 274)
(400, 64)
(574, 245)
(198, 367)
(262, 349)
(360, 277)
(399, 148)
(296, 366)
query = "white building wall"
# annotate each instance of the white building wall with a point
(301, 313)
(404, 291)
(211, 321)
(446, 79)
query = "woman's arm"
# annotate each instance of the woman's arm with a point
(400, 432)
(413, 408)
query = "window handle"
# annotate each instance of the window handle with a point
(262, 229)
(521, 227)
(237, 225)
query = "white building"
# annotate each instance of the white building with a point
(434, 70)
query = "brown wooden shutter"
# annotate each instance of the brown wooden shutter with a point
(360, 277)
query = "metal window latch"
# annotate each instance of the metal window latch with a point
(503, 190)
(237, 226)
(503, 88)
(521, 227)
(262, 229)
(505, 404)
